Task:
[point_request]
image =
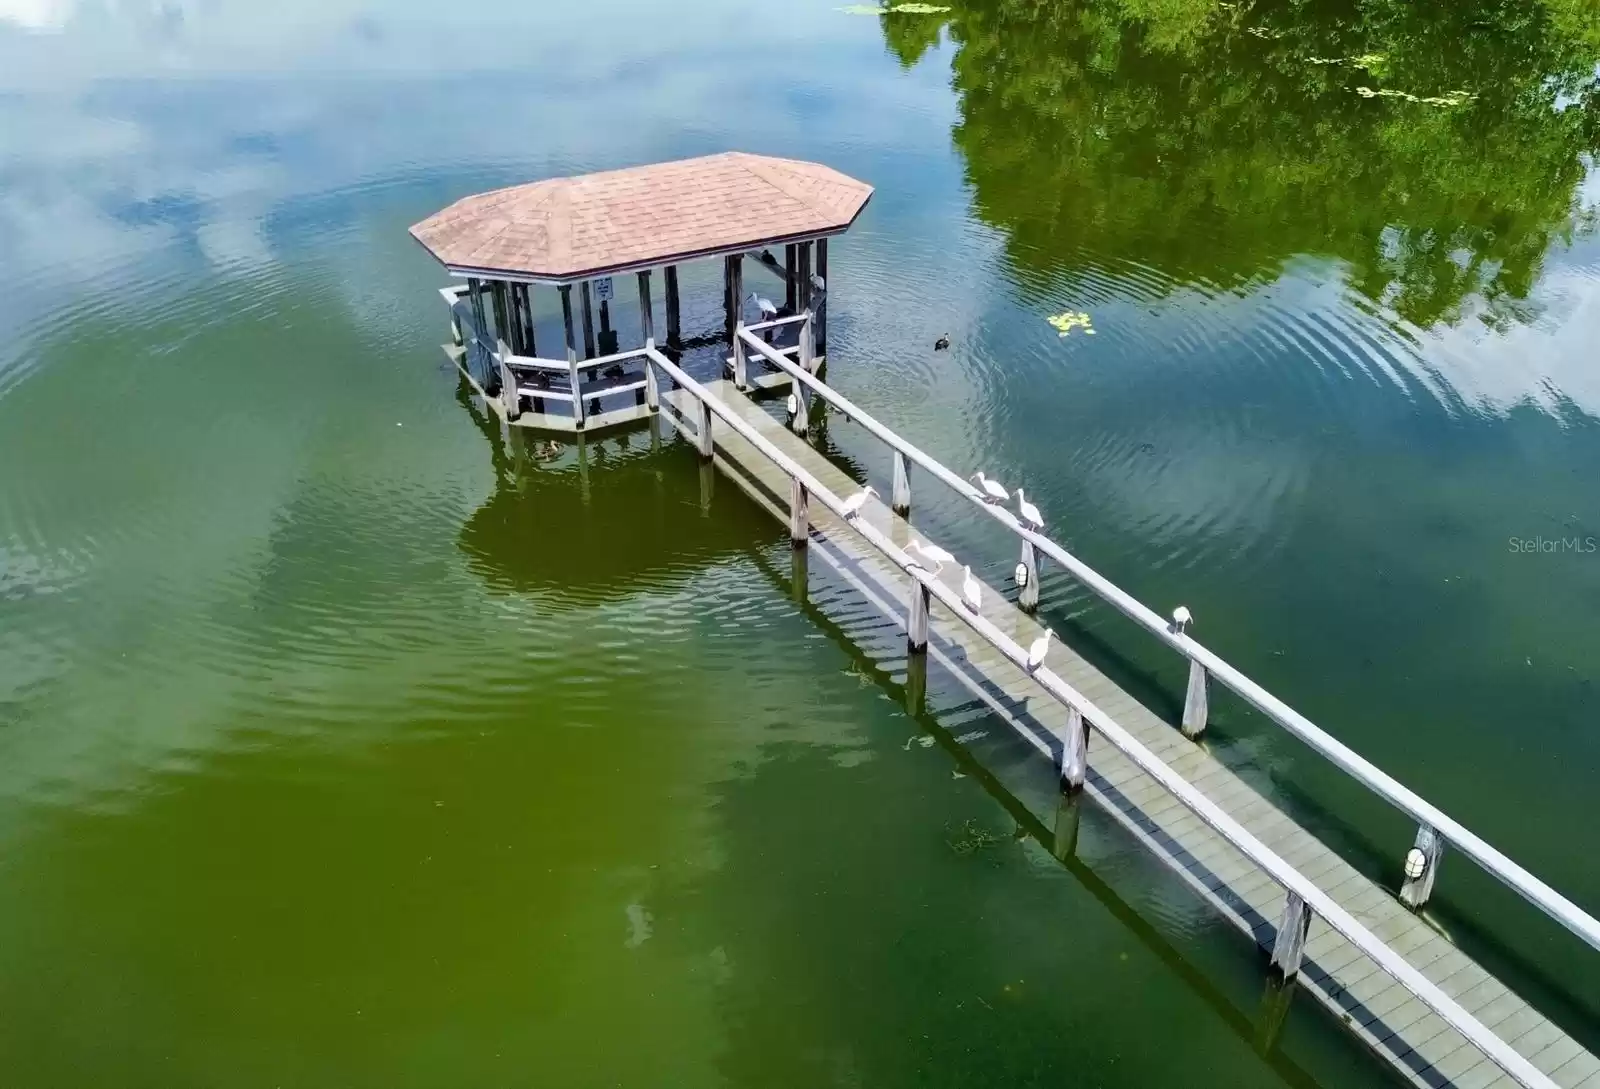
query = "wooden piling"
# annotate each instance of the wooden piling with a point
(647, 329)
(1290, 943)
(741, 364)
(1069, 815)
(900, 496)
(588, 322)
(799, 574)
(799, 513)
(510, 401)
(789, 302)
(502, 322)
(733, 293)
(674, 317)
(1074, 753)
(572, 356)
(1028, 592)
(1195, 710)
(822, 303)
(917, 619)
(1416, 890)
(528, 341)
(702, 436)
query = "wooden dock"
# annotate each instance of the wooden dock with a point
(1384, 1012)
(1360, 949)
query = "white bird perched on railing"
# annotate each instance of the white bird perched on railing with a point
(994, 491)
(971, 590)
(931, 552)
(1181, 619)
(1039, 648)
(765, 305)
(1031, 518)
(851, 508)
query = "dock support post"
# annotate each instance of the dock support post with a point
(789, 301)
(702, 435)
(1027, 575)
(808, 329)
(1290, 943)
(647, 329)
(509, 399)
(588, 322)
(708, 487)
(528, 345)
(799, 575)
(1195, 702)
(572, 357)
(502, 320)
(732, 294)
(741, 365)
(822, 303)
(900, 499)
(1422, 865)
(917, 685)
(674, 315)
(1074, 771)
(799, 513)
(917, 619)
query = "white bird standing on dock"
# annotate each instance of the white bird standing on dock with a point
(971, 590)
(1031, 517)
(1181, 619)
(1039, 648)
(768, 309)
(931, 552)
(994, 491)
(851, 508)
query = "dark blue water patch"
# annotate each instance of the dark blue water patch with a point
(184, 211)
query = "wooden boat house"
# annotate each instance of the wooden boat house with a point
(578, 235)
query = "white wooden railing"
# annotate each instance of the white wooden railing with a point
(1435, 827)
(1303, 898)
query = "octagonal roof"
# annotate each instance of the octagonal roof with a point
(566, 229)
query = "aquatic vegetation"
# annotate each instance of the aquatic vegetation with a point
(972, 837)
(1066, 322)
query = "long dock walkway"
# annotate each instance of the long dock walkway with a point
(1385, 1012)
(1414, 998)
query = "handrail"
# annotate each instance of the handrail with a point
(1495, 1049)
(1493, 861)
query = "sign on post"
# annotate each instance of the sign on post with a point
(602, 289)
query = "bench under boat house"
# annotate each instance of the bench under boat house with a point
(582, 235)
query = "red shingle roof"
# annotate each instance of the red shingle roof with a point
(573, 228)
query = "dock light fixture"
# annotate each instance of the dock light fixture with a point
(1416, 863)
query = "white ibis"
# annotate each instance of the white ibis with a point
(1030, 513)
(1181, 619)
(971, 590)
(994, 491)
(1039, 648)
(765, 305)
(943, 343)
(931, 552)
(851, 508)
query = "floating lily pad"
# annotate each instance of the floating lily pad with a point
(1072, 319)
(919, 9)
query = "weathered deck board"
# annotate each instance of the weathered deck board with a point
(1392, 1022)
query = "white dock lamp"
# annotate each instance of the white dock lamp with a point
(1416, 863)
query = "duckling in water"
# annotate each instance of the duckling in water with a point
(544, 451)
(942, 344)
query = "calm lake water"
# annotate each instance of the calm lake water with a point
(336, 751)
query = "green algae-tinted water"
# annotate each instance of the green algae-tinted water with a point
(336, 749)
